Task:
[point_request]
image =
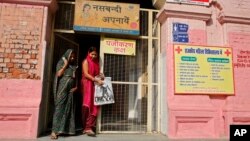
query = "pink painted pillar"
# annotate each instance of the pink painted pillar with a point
(23, 41)
(236, 34)
(208, 116)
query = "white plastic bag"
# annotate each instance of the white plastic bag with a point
(104, 94)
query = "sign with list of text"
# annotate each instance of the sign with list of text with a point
(203, 70)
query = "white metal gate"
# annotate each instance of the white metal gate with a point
(135, 83)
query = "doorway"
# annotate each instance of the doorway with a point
(80, 43)
(135, 80)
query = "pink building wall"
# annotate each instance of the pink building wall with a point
(208, 116)
(24, 37)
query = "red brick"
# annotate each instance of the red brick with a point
(28, 37)
(32, 42)
(12, 45)
(2, 75)
(2, 49)
(33, 66)
(11, 55)
(18, 46)
(26, 66)
(27, 46)
(18, 56)
(20, 61)
(33, 51)
(35, 33)
(33, 61)
(17, 66)
(6, 55)
(37, 38)
(32, 71)
(10, 65)
(17, 41)
(9, 75)
(27, 56)
(16, 72)
(13, 36)
(1, 59)
(17, 32)
(2, 64)
(7, 50)
(5, 70)
(5, 45)
(16, 50)
(25, 32)
(24, 76)
(35, 46)
(24, 51)
(25, 41)
(33, 56)
(6, 60)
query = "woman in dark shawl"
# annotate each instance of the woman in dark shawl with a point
(64, 87)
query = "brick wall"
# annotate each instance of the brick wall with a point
(20, 41)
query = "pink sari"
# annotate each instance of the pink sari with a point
(90, 111)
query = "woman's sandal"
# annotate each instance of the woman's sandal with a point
(90, 133)
(53, 136)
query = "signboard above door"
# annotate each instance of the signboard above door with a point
(118, 46)
(196, 2)
(107, 17)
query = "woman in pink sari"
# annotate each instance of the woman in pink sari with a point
(90, 69)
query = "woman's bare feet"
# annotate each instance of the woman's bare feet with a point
(53, 136)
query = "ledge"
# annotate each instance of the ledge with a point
(184, 11)
(223, 18)
(52, 4)
(36, 2)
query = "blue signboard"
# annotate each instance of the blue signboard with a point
(183, 38)
(180, 32)
(179, 27)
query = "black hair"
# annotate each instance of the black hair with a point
(73, 51)
(92, 48)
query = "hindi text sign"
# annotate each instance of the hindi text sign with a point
(203, 70)
(107, 17)
(119, 46)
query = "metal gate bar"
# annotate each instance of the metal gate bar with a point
(135, 82)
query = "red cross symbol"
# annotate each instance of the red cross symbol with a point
(178, 49)
(227, 52)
